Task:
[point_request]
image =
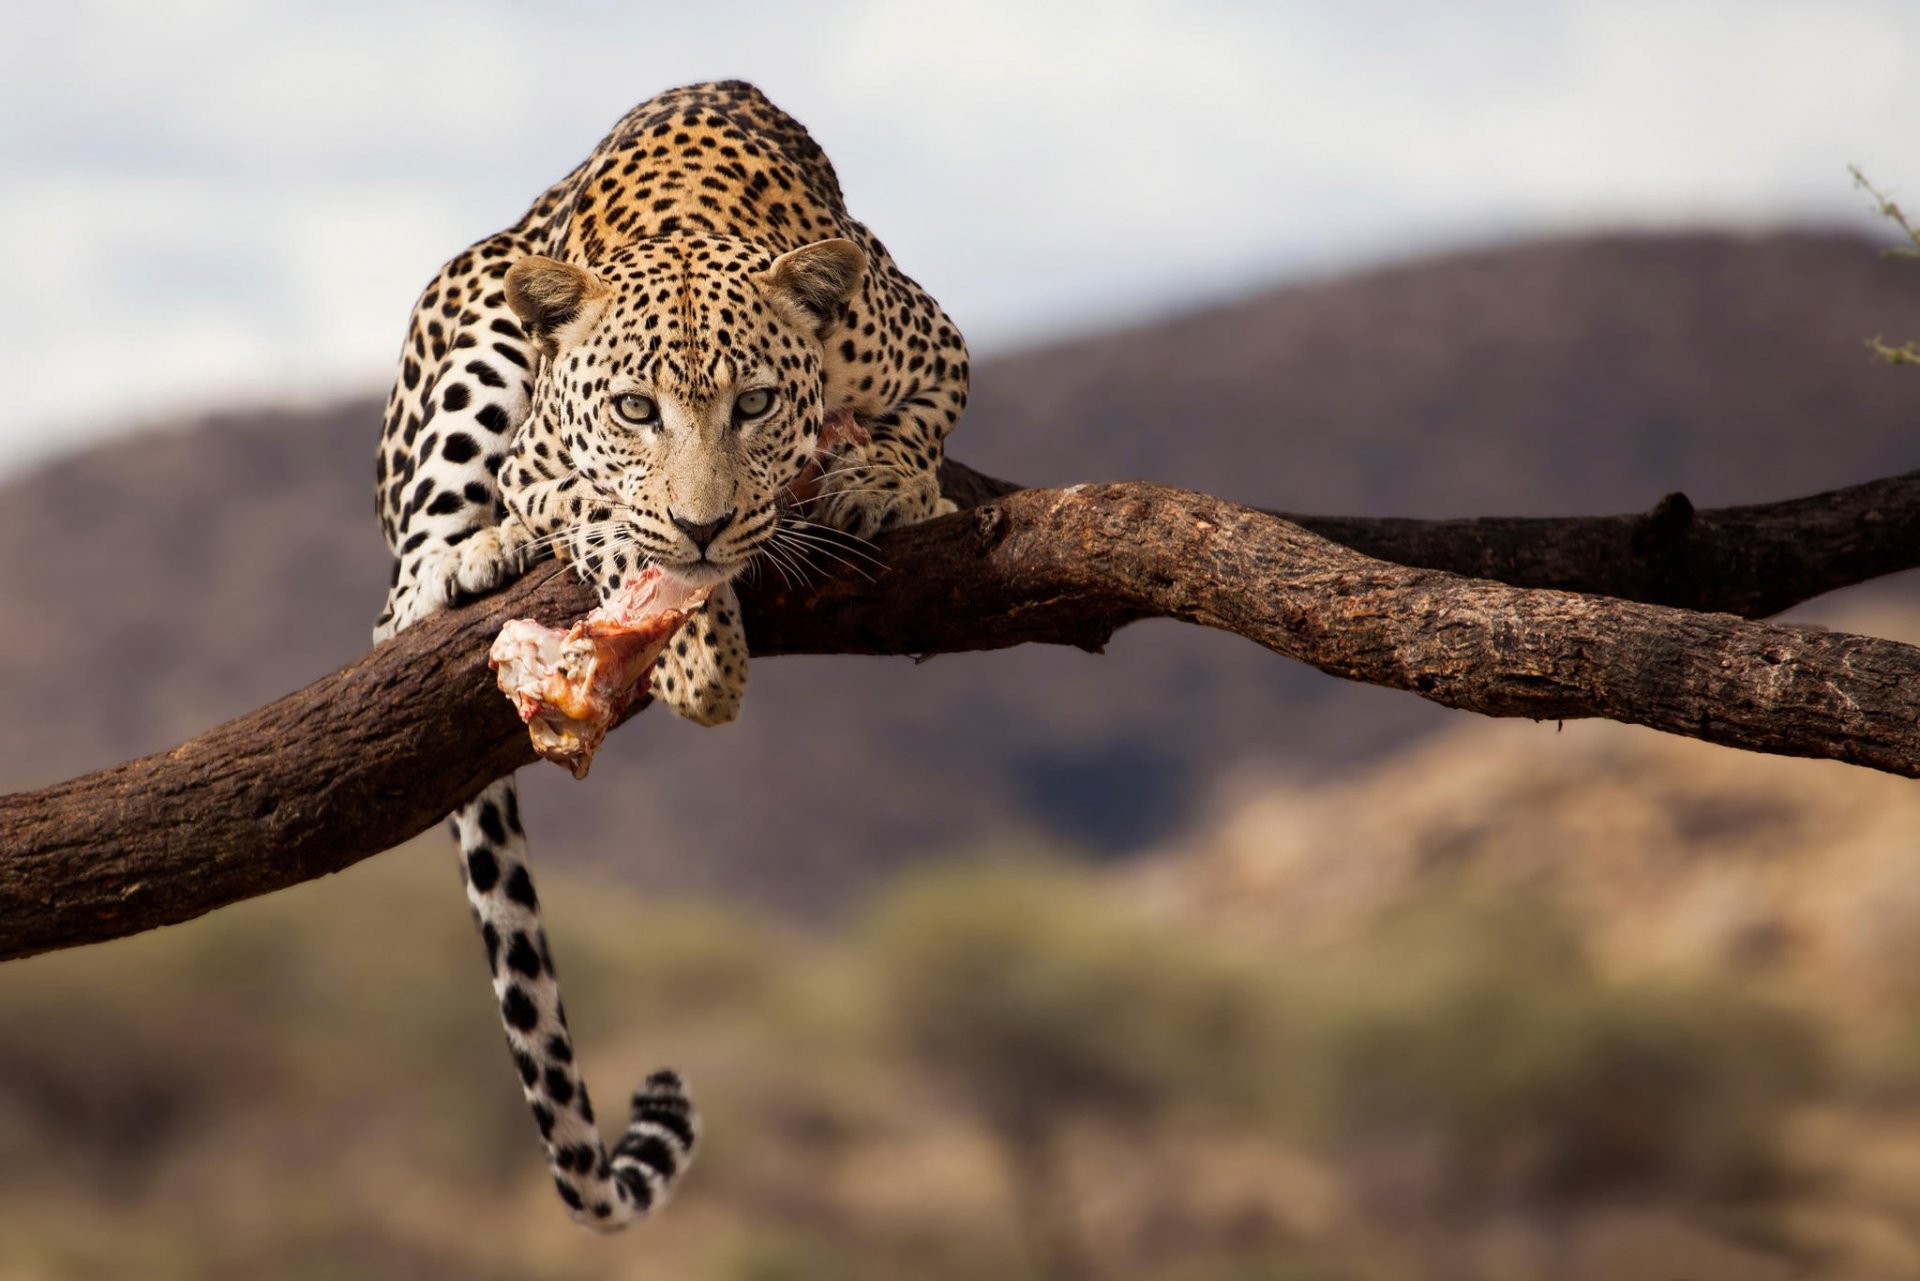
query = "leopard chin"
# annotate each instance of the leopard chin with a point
(695, 574)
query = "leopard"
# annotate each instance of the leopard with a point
(685, 356)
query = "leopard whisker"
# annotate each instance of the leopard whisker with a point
(571, 531)
(838, 556)
(782, 561)
(815, 530)
(804, 545)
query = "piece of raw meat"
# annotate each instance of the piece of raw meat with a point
(839, 431)
(571, 686)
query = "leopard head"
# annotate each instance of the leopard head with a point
(682, 382)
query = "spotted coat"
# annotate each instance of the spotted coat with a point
(680, 337)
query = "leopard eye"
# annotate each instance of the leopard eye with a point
(752, 404)
(636, 409)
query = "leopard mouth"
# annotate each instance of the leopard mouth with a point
(703, 572)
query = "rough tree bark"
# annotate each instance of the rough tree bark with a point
(372, 754)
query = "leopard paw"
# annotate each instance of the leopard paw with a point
(898, 499)
(703, 673)
(435, 579)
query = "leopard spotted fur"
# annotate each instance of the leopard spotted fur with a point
(635, 374)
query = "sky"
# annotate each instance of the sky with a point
(218, 203)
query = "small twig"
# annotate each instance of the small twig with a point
(1906, 353)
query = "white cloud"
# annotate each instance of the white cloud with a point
(229, 199)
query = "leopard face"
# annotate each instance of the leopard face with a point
(683, 386)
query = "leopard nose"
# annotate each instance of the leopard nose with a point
(704, 533)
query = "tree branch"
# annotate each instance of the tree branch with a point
(1753, 561)
(364, 758)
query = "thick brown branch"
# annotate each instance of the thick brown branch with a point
(1753, 561)
(374, 753)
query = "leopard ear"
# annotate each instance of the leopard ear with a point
(817, 280)
(551, 298)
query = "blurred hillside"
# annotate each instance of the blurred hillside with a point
(177, 578)
(1669, 855)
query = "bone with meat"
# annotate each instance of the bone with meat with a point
(571, 686)
(840, 430)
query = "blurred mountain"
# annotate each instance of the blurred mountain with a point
(177, 578)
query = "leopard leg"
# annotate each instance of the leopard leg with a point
(703, 674)
(465, 386)
(889, 480)
(438, 575)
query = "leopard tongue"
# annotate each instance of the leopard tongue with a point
(571, 687)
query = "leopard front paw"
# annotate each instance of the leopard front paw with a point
(702, 699)
(888, 500)
(434, 579)
(703, 673)
(490, 559)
